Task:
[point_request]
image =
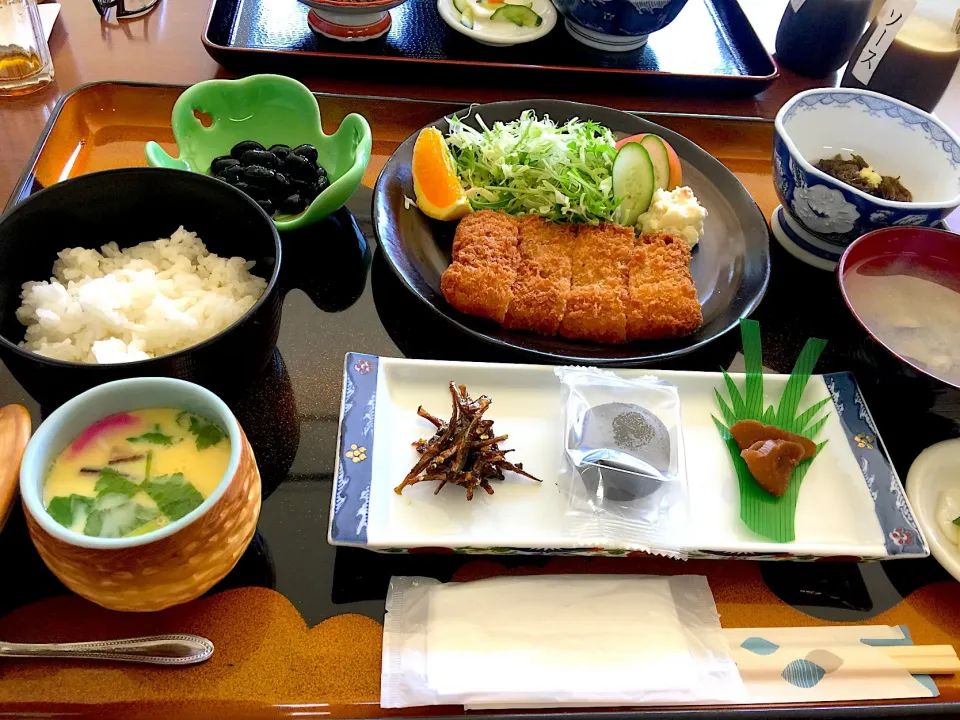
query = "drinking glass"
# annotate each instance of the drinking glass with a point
(25, 63)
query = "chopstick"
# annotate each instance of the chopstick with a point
(925, 659)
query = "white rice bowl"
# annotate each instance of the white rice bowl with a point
(143, 302)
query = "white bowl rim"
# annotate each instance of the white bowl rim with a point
(947, 555)
(30, 488)
(549, 22)
(893, 204)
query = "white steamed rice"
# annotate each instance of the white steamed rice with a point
(146, 301)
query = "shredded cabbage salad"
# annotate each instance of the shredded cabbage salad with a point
(534, 166)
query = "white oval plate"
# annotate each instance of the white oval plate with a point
(544, 8)
(936, 469)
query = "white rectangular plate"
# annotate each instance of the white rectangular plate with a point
(851, 503)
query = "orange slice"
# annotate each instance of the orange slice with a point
(435, 181)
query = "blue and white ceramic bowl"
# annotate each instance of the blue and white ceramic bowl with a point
(819, 215)
(617, 25)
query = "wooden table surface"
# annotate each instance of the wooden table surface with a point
(165, 47)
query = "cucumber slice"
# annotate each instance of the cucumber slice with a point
(633, 181)
(657, 149)
(466, 19)
(518, 15)
(460, 5)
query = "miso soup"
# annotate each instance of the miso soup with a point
(135, 472)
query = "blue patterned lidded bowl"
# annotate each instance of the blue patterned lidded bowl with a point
(617, 25)
(820, 215)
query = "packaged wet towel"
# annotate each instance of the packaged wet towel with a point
(590, 639)
(626, 484)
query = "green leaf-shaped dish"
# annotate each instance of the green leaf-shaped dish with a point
(270, 109)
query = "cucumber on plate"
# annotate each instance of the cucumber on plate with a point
(519, 15)
(633, 181)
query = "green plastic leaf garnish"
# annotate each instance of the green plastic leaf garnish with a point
(154, 436)
(956, 520)
(112, 481)
(206, 432)
(173, 495)
(64, 509)
(765, 514)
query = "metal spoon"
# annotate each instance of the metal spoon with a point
(154, 650)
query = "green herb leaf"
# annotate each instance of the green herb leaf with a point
(116, 515)
(112, 481)
(173, 495)
(154, 436)
(64, 509)
(206, 432)
(956, 520)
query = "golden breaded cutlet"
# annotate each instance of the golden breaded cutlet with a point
(661, 299)
(537, 234)
(601, 255)
(594, 313)
(543, 278)
(485, 226)
(539, 299)
(484, 269)
(484, 290)
(548, 244)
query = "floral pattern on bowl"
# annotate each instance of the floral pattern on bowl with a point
(617, 25)
(833, 214)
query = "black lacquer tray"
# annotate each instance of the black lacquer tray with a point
(711, 48)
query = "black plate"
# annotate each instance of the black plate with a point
(731, 266)
(710, 48)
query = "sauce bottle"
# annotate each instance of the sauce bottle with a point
(910, 51)
(816, 37)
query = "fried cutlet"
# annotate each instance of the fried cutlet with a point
(594, 313)
(543, 279)
(596, 283)
(484, 269)
(539, 300)
(661, 300)
(487, 226)
(600, 263)
(601, 255)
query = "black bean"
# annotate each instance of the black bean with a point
(259, 175)
(267, 206)
(298, 167)
(322, 184)
(321, 172)
(279, 149)
(306, 151)
(246, 187)
(219, 164)
(231, 174)
(260, 157)
(292, 204)
(241, 147)
(282, 184)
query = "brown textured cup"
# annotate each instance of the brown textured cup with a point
(159, 569)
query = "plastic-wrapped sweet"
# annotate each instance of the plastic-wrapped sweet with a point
(624, 445)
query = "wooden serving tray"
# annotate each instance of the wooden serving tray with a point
(297, 624)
